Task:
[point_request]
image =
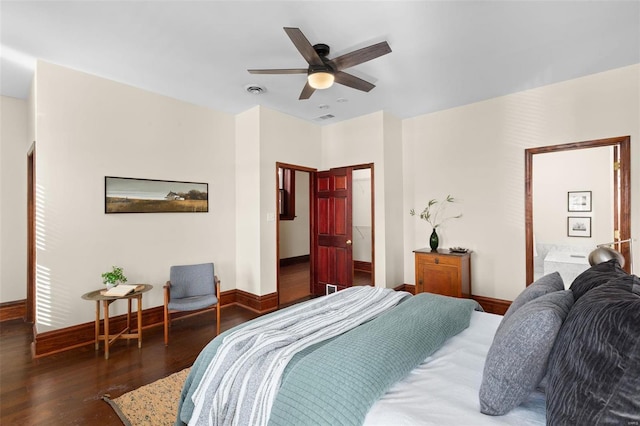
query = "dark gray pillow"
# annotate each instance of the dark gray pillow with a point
(594, 367)
(546, 284)
(595, 276)
(517, 359)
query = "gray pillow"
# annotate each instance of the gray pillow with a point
(546, 284)
(594, 368)
(517, 358)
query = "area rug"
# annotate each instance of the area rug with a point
(153, 404)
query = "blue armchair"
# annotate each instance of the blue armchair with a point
(191, 288)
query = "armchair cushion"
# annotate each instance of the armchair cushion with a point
(192, 303)
(190, 281)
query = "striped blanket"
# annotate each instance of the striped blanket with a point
(240, 383)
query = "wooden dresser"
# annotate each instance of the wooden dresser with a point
(442, 272)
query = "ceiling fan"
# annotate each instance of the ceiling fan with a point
(322, 71)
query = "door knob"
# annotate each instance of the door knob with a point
(348, 242)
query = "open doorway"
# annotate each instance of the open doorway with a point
(362, 201)
(297, 193)
(599, 227)
(294, 193)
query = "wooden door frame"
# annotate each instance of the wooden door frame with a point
(31, 235)
(312, 192)
(623, 144)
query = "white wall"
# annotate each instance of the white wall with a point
(247, 188)
(294, 234)
(554, 175)
(283, 139)
(476, 153)
(366, 140)
(361, 215)
(88, 128)
(393, 201)
(14, 144)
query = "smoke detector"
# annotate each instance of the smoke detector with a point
(255, 89)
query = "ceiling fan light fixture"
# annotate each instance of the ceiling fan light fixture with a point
(320, 80)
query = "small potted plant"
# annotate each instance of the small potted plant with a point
(114, 277)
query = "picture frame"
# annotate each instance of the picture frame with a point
(579, 226)
(579, 201)
(135, 195)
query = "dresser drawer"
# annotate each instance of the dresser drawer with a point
(436, 259)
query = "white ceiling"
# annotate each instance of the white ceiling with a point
(445, 54)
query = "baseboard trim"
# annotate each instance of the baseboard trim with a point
(296, 259)
(359, 265)
(406, 287)
(259, 304)
(13, 310)
(490, 305)
(64, 339)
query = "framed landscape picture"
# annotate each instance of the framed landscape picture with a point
(132, 195)
(579, 226)
(579, 201)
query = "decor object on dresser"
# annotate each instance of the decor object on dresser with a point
(433, 215)
(130, 195)
(114, 277)
(191, 288)
(443, 272)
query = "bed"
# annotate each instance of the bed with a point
(432, 360)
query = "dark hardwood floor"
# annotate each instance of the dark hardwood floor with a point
(66, 388)
(295, 282)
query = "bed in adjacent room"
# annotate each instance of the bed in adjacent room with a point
(373, 356)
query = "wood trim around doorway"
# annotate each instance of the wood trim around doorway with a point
(624, 144)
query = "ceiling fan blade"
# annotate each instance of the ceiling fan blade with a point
(353, 81)
(281, 71)
(359, 56)
(307, 91)
(304, 47)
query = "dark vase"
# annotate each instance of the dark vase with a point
(433, 240)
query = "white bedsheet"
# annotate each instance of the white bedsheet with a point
(443, 390)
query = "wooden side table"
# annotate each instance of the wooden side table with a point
(126, 333)
(443, 272)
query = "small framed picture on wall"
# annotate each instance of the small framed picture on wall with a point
(579, 201)
(579, 227)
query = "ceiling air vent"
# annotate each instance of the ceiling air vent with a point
(325, 117)
(254, 89)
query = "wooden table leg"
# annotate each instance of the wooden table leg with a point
(106, 329)
(129, 314)
(97, 327)
(139, 320)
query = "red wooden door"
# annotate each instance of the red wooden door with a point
(333, 257)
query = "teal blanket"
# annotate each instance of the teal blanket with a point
(337, 381)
